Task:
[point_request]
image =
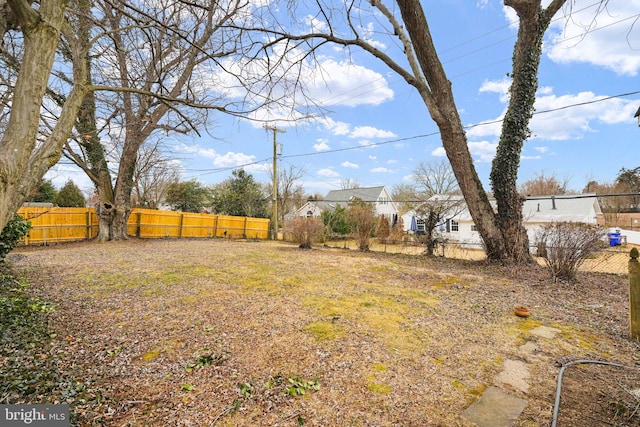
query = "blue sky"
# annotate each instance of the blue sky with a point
(378, 129)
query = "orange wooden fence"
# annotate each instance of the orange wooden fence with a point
(56, 225)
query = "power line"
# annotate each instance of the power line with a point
(408, 138)
(403, 139)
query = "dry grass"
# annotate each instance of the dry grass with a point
(196, 332)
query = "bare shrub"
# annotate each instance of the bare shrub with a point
(362, 218)
(305, 230)
(383, 230)
(564, 246)
(397, 233)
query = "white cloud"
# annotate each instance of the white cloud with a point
(552, 121)
(381, 170)
(346, 83)
(501, 87)
(321, 145)
(370, 132)
(336, 128)
(315, 25)
(227, 160)
(364, 143)
(604, 36)
(350, 165)
(574, 122)
(232, 159)
(481, 151)
(372, 157)
(485, 128)
(328, 172)
(367, 32)
(541, 149)
(320, 81)
(439, 152)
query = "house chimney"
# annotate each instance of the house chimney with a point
(553, 202)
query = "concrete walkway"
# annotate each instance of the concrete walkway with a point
(497, 407)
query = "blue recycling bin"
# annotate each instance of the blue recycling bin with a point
(614, 239)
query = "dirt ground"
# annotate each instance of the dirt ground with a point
(235, 333)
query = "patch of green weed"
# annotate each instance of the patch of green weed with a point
(325, 331)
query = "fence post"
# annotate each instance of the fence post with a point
(138, 223)
(180, 229)
(244, 231)
(87, 223)
(634, 294)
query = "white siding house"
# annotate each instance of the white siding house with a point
(536, 211)
(379, 196)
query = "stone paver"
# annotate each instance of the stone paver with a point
(495, 408)
(516, 374)
(545, 331)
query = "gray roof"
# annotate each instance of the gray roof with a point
(574, 208)
(343, 197)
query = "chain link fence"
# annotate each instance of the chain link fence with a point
(610, 260)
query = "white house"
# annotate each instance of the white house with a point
(379, 196)
(536, 211)
(453, 203)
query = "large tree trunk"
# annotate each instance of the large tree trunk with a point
(438, 97)
(515, 128)
(503, 233)
(22, 162)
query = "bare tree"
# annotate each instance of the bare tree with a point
(153, 62)
(434, 177)
(543, 185)
(138, 69)
(290, 192)
(406, 196)
(346, 24)
(349, 183)
(437, 186)
(152, 178)
(28, 147)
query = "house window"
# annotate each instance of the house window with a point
(473, 227)
(309, 214)
(454, 226)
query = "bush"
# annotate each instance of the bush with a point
(564, 246)
(361, 217)
(305, 230)
(383, 230)
(15, 229)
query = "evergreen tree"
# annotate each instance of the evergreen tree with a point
(45, 193)
(336, 221)
(70, 196)
(189, 196)
(240, 195)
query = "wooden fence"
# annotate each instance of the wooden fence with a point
(55, 225)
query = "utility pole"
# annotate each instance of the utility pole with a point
(275, 179)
